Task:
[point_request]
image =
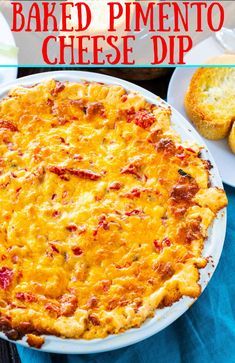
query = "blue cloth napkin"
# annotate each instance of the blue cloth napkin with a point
(206, 333)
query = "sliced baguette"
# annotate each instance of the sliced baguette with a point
(210, 100)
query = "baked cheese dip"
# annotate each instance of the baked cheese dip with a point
(103, 211)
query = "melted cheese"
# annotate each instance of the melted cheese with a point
(83, 256)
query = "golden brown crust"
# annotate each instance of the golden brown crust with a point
(88, 169)
(231, 138)
(35, 341)
(209, 101)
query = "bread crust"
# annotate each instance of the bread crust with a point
(231, 139)
(206, 101)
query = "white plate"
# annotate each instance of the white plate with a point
(179, 83)
(213, 245)
(7, 74)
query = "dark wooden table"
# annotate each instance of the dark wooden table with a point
(8, 352)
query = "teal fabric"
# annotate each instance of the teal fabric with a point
(206, 333)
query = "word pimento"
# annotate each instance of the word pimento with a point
(82, 33)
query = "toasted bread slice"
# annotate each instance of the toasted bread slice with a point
(231, 138)
(210, 101)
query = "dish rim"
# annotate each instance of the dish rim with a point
(163, 317)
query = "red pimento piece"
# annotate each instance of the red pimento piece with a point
(92, 302)
(124, 98)
(61, 121)
(54, 248)
(181, 156)
(6, 275)
(55, 213)
(81, 173)
(134, 193)
(190, 149)
(69, 304)
(78, 157)
(81, 229)
(95, 108)
(180, 148)
(94, 320)
(132, 169)
(50, 102)
(166, 242)
(129, 114)
(60, 86)
(77, 251)
(157, 245)
(84, 174)
(52, 308)
(160, 245)
(8, 125)
(25, 296)
(57, 170)
(103, 223)
(115, 186)
(167, 146)
(62, 140)
(79, 103)
(125, 265)
(72, 228)
(134, 212)
(180, 152)
(143, 118)
(65, 177)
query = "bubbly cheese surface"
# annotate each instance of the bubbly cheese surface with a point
(103, 211)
